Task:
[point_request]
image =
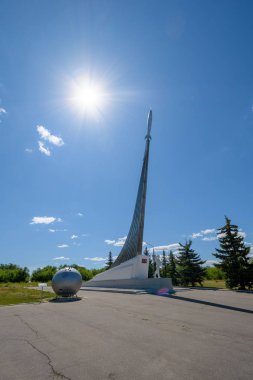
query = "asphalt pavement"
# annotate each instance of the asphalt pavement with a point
(194, 334)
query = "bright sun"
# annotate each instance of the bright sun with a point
(88, 97)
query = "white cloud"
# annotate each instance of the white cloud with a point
(120, 242)
(46, 135)
(110, 242)
(53, 230)
(169, 247)
(242, 234)
(28, 150)
(79, 214)
(208, 231)
(210, 238)
(202, 233)
(196, 235)
(62, 246)
(94, 258)
(43, 149)
(2, 110)
(61, 258)
(74, 237)
(117, 243)
(85, 235)
(44, 220)
(211, 262)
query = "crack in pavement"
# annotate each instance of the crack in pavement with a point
(54, 371)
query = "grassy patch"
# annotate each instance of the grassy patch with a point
(16, 293)
(214, 284)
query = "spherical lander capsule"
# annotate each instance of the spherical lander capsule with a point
(66, 282)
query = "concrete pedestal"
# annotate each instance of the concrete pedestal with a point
(149, 284)
(136, 268)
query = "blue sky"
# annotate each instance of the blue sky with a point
(190, 61)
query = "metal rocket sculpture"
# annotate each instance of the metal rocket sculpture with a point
(134, 241)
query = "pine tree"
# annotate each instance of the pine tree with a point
(172, 269)
(164, 270)
(145, 252)
(150, 263)
(233, 255)
(190, 266)
(109, 261)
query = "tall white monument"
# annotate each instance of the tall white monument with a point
(130, 269)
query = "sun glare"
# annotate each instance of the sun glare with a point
(88, 97)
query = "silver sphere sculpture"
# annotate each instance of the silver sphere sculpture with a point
(66, 282)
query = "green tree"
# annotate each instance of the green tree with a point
(109, 262)
(214, 273)
(150, 263)
(172, 269)
(13, 273)
(164, 270)
(44, 274)
(190, 265)
(233, 255)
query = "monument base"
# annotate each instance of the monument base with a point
(136, 268)
(149, 284)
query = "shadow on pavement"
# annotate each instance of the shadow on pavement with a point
(208, 303)
(65, 299)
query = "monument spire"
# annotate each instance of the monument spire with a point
(133, 244)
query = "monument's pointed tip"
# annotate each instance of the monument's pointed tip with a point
(149, 123)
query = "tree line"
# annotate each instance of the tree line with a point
(186, 268)
(15, 273)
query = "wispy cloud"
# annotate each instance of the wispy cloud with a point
(110, 242)
(207, 231)
(44, 220)
(211, 262)
(2, 110)
(43, 149)
(54, 230)
(210, 238)
(95, 259)
(74, 237)
(118, 242)
(169, 247)
(79, 214)
(46, 135)
(196, 235)
(28, 150)
(202, 234)
(63, 246)
(61, 258)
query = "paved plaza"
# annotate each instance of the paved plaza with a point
(195, 334)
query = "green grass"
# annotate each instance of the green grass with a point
(15, 293)
(214, 284)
